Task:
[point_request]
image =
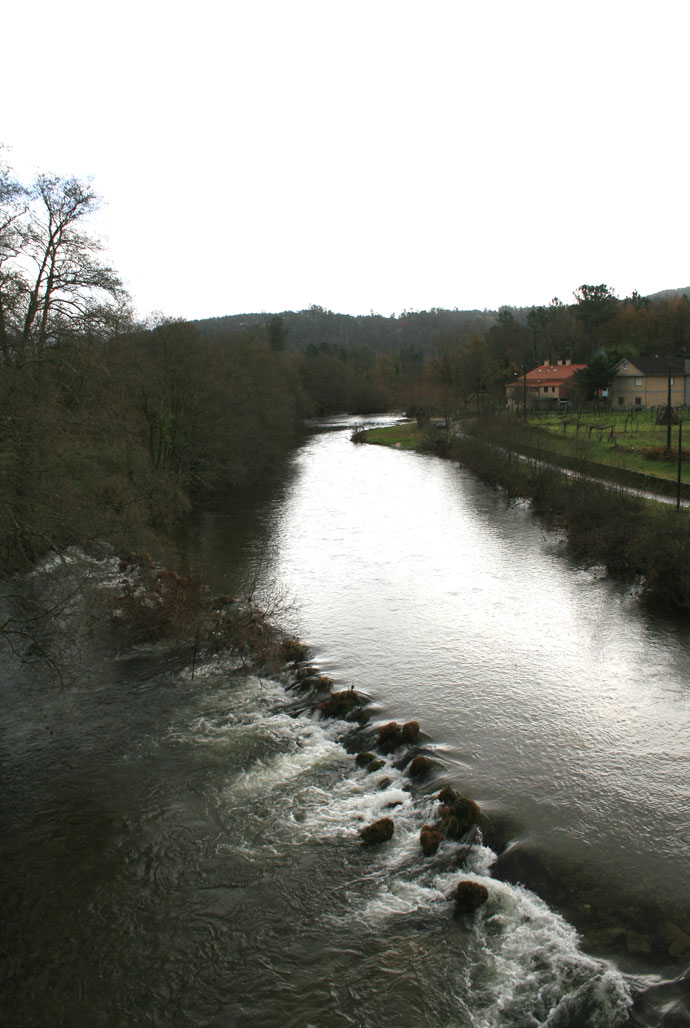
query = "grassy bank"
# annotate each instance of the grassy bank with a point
(406, 436)
(637, 540)
(624, 447)
(629, 441)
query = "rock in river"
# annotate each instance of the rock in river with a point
(468, 897)
(379, 831)
(431, 839)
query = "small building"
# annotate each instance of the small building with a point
(644, 382)
(543, 386)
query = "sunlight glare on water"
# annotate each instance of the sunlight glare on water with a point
(545, 684)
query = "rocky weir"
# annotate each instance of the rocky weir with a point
(256, 848)
(458, 819)
(458, 824)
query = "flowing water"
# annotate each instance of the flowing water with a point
(184, 850)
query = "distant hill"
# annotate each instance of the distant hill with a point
(669, 294)
(409, 333)
(317, 327)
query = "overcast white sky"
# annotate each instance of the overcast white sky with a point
(387, 155)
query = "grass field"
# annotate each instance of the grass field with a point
(403, 437)
(621, 439)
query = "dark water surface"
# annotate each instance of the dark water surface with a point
(181, 851)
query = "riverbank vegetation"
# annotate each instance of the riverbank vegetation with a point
(111, 429)
(404, 436)
(147, 603)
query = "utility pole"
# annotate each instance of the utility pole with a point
(668, 413)
(524, 391)
(680, 458)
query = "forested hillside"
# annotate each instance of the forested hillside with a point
(314, 327)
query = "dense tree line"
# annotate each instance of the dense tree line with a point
(316, 326)
(437, 360)
(113, 439)
(597, 329)
(108, 429)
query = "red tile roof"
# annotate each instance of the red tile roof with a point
(553, 374)
(546, 374)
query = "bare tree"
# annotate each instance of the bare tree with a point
(53, 282)
(13, 208)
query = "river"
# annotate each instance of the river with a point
(185, 850)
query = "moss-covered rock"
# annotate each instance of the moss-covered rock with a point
(462, 854)
(340, 704)
(378, 832)
(392, 735)
(469, 896)
(677, 941)
(459, 816)
(420, 766)
(364, 759)
(292, 651)
(430, 839)
(410, 732)
(389, 737)
(307, 678)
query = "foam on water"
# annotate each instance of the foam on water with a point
(514, 962)
(259, 831)
(517, 962)
(309, 748)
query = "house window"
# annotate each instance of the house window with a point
(546, 389)
(625, 365)
(621, 401)
(638, 381)
(553, 389)
(638, 401)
